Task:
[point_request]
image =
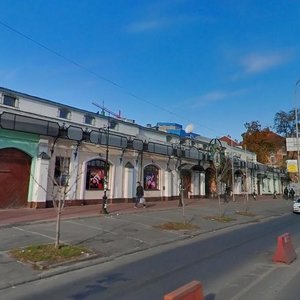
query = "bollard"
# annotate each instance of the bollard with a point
(285, 252)
(190, 291)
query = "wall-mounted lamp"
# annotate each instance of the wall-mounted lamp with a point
(122, 154)
(76, 149)
(137, 159)
(168, 162)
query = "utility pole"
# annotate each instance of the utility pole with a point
(216, 150)
(104, 202)
(246, 171)
(181, 188)
(106, 131)
(232, 168)
(297, 135)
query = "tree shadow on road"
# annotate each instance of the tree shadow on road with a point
(98, 286)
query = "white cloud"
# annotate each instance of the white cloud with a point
(150, 25)
(161, 23)
(215, 96)
(257, 63)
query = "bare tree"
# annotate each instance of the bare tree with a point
(285, 123)
(62, 187)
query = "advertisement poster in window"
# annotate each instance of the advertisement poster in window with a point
(150, 180)
(96, 178)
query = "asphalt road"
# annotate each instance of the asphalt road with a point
(231, 264)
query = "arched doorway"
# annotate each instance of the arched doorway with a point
(186, 181)
(239, 182)
(210, 183)
(14, 178)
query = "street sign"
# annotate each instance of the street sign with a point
(291, 144)
(292, 166)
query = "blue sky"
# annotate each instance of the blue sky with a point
(215, 64)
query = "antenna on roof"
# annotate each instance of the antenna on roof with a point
(106, 110)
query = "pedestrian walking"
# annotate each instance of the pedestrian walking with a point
(254, 195)
(139, 196)
(286, 193)
(227, 194)
(292, 193)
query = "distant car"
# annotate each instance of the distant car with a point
(296, 206)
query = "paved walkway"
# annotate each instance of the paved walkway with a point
(125, 230)
(23, 215)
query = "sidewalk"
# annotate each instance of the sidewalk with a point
(125, 230)
(25, 215)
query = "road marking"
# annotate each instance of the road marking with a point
(107, 231)
(90, 226)
(239, 295)
(36, 233)
(148, 226)
(261, 277)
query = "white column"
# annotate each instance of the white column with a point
(83, 180)
(128, 182)
(202, 184)
(168, 184)
(238, 185)
(176, 183)
(196, 183)
(117, 181)
(40, 173)
(74, 176)
(40, 180)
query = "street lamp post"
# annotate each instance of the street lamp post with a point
(297, 134)
(232, 174)
(188, 130)
(232, 170)
(246, 171)
(216, 150)
(104, 199)
(181, 189)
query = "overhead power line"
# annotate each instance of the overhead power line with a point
(73, 62)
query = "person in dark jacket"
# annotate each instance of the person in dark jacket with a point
(292, 193)
(286, 193)
(139, 195)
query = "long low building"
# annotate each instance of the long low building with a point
(50, 151)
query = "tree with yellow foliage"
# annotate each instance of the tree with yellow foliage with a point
(261, 141)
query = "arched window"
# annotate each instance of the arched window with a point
(151, 178)
(95, 174)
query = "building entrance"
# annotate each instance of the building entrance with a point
(14, 178)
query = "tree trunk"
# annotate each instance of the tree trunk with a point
(57, 239)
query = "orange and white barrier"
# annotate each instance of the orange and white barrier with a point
(285, 252)
(190, 291)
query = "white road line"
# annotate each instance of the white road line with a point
(150, 226)
(260, 278)
(35, 233)
(130, 222)
(239, 295)
(108, 231)
(91, 227)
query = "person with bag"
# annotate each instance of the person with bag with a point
(139, 196)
